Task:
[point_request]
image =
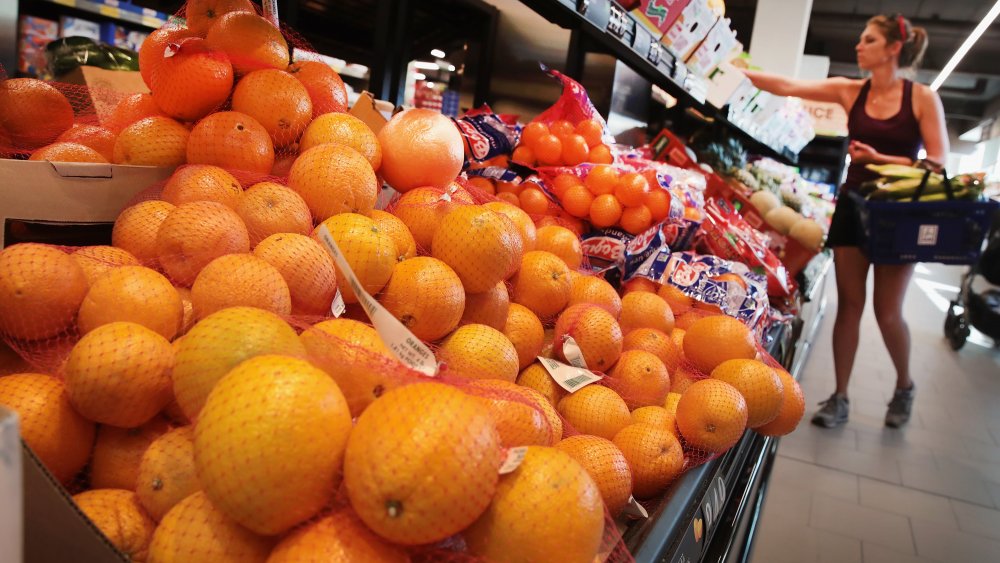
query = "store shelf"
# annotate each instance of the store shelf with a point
(781, 154)
(140, 16)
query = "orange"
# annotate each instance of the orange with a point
(671, 403)
(135, 294)
(41, 289)
(119, 374)
(640, 378)
(489, 308)
(541, 284)
(658, 203)
(339, 536)
(654, 455)
(713, 340)
(250, 41)
(548, 150)
(120, 518)
(68, 152)
(601, 180)
(422, 210)
(639, 284)
(237, 280)
(477, 351)
(677, 337)
(218, 343)
(561, 128)
(307, 269)
(591, 130)
(57, 434)
(151, 51)
(605, 211)
(269, 443)
(344, 129)
(642, 309)
(509, 198)
(563, 182)
(601, 154)
(711, 415)
(189, 318)
(130, 109)
(532, 132)
(426, 296)
(528, 518)
(386, 471)
(191, 79)
(233, 140)
(202, 182)
(598, 336)
(369, 252)
(655, 415)
(517, 413)
(525, 332)
(533, 201)
(562, 242)
(636, 220)
(632, 189)
(96, 260)
(152, 141)
(353, 354)
(681, 379)
(268, 208)
(277, 101)
(595, 410)
(98, 138)
(326, 88)
(201, 14)
(334, 179)
(523, 155)
(792, 408)
(521, 219)
(685, 320)
(605, 464)
(574, 150)
(760, 386)
(420, 147)
(136, 229)
(483, 184)
(194, 530)
(596, 291)
(576, 200)
(167, 473)
(406, 247)
(33, 113)
(482, 246)
(509, 187)
(536, 378)
(657, 342)
(196, 233)
(118, 454)
(678, 301)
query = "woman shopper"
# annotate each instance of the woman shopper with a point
(889, 117)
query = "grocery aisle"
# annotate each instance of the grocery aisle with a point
(864, 492)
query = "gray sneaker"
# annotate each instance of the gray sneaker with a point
(833, 413)
(900, 407)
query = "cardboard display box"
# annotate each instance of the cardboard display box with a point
(107, 87)
(67, 202)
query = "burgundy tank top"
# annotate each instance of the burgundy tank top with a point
(897, 136)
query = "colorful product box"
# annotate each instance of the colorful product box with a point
(79, 27)
(35, 34)
(690, 28)
(658, 15)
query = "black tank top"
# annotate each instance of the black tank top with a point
(897, 136)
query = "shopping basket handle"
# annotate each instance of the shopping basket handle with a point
(948, 191)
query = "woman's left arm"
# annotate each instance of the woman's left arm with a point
(930, 115)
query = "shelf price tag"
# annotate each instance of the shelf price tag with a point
(403, 344)
(568, 377)
(617, 22)
(110, 11)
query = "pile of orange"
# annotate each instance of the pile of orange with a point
(562, 143)
(607, 197)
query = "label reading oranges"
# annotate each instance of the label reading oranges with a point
(512, 460)
(634, 510)
(568, 377)
(403, 344)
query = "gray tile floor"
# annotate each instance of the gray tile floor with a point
(929, 492)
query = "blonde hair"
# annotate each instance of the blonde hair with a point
(913, 38)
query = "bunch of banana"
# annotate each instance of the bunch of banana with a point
(900, 183)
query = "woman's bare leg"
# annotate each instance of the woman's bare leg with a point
(851, 267)
(890, 290)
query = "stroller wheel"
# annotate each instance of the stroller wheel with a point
(959, 332)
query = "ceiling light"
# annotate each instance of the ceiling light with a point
(451, 68)
(969, 42)
(419, 76)
(430, 84)
(437, 53)
(425, 65)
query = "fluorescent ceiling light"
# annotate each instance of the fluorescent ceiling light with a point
(451, 68)
(437, 53)
(425, 65)
(419, 76)
(969, 42)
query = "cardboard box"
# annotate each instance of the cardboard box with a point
(11, 487)
(109, 86)
(67, 202)
(375, 113)
(658, 15)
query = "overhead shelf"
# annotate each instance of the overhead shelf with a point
(129, 13)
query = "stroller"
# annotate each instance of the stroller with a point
(980, 310)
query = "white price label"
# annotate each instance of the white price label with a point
(513, 459)
(572, 352)
(634, 510)
(403, 344)
(337, 306)
(569, 378)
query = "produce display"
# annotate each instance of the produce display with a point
(502, 363)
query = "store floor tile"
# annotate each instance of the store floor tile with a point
(926, 493)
